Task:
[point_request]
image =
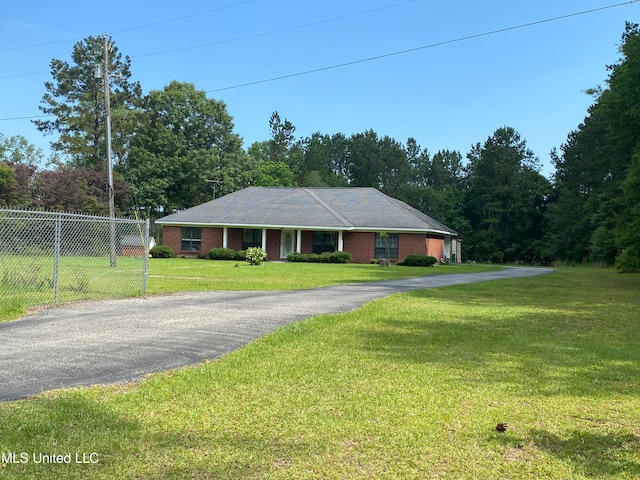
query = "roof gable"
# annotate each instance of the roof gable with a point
(346, 208)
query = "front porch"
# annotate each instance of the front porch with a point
(279, 243)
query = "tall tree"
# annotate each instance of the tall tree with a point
(395, 170)
(324, 161)
(282, 138)
(628, 230)
(365, 162)
(17, 149)
(332, 154)
(283, 146)
(504, 200)
(18, 160)
(185, 141)
(77, 189)
(75, 97)
(418, 160)
(268, 172)
(591, 210)
(315, 170)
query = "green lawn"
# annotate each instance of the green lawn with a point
(180, 274)
(27, 281)
(411, 386)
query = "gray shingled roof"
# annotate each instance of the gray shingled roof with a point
(351, 208)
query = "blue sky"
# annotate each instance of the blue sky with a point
(448, 95)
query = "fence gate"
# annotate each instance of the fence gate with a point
(48, 258)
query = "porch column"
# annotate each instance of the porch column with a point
(447, 247)
(340, 241)
(225, 237)
(299, 241)
(264, 239)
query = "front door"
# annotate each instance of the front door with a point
(287, 243)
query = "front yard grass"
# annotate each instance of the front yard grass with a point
(168, 275)
(410, 386)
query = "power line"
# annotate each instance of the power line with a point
(182, 17)
(161, 22)
(273, 32)
(221, 42)
(400, 52)
(26, 118)
(423, 47)
(24, 74)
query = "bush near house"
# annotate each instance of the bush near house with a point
(326, 257)
(227, 254)
(417, 260)
(256, 255)
(161, 251)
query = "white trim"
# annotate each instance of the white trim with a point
(447, 247)
(309, 228)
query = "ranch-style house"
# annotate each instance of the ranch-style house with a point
(282, 220)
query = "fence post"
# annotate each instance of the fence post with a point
(47, 258)
(145, 273)
(56, 258)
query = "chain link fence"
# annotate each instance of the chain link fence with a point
(48, 258)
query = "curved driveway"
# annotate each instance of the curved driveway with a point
(123, 340)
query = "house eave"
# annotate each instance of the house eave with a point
(308, 227)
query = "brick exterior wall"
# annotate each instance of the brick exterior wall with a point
(435, 247)
(410, 243)
(306, 242)
(211, 238)
(273, 244)
(234, 238)
(172, 237)
(361, 245)
(132, 251)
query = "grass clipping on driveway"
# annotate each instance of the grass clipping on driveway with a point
(411, 386)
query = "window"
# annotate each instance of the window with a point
(324, 242)
(251, 237)
(387, 247)
(191, 239)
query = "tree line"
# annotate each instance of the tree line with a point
(173, 147)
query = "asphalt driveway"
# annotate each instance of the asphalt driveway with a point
(123, 340)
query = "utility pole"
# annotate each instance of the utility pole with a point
(107, 108)
(214, 182)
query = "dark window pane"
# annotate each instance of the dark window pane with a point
(191, 239)
(324, 242)
(251, 237)
(387, 247)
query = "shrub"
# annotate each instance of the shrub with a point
(326, 257)
(629, 261)
(340, 257)
(417, 260)
(222, 254)
(300, 257)
(255, 255)
(161, 251)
